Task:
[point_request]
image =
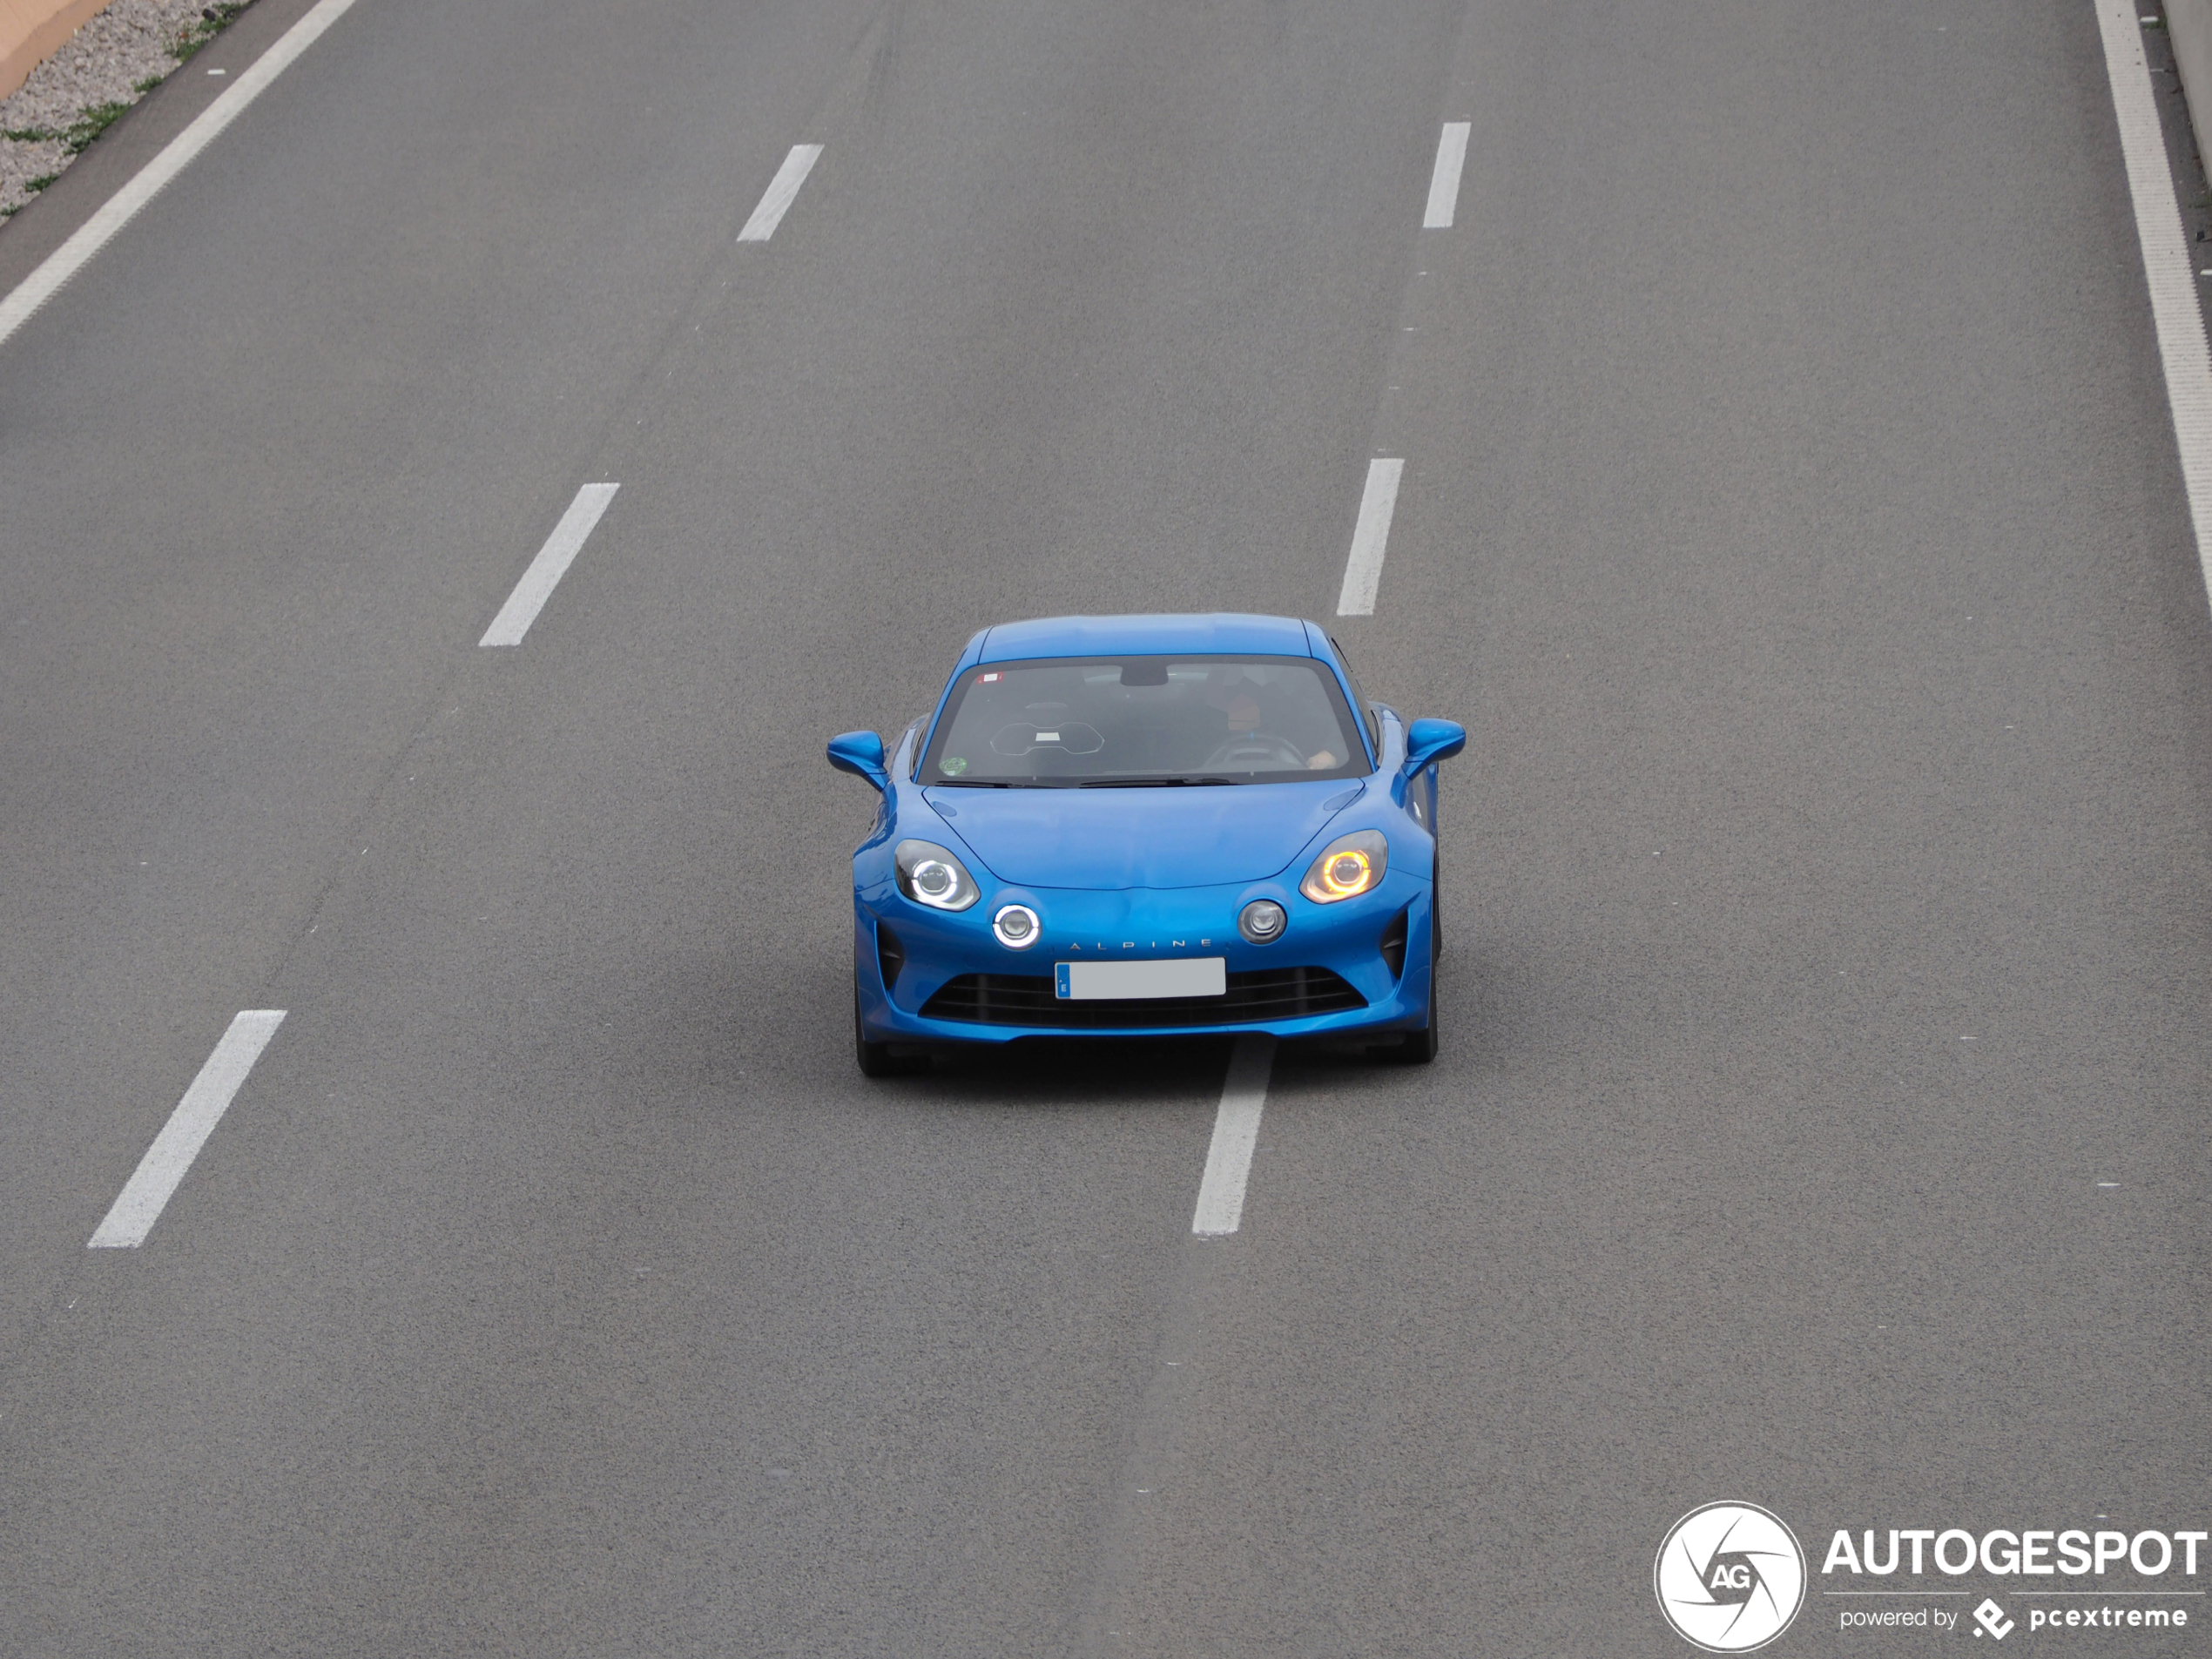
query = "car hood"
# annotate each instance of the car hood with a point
(1206, 835)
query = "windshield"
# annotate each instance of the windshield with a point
(1070, 722)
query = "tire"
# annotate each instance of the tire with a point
(1436, 904)
(876, 1059)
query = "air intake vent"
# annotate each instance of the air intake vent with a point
(890, 955)
(1021, 999)
(1394, 944)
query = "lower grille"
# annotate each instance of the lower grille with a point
(1021, 999)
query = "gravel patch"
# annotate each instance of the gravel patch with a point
(120, 55)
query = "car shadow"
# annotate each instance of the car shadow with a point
(1066, 1071)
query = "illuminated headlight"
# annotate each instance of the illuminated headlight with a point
(928, 874)
(1350, 866)
(1016, 927)
(1261, 921)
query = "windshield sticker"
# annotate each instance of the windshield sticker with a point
(953, 766)
(989, 679)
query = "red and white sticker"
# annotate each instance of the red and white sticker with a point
(987, 678)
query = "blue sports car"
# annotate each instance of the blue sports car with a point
(1147, 826)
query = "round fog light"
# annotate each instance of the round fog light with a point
(1262, 921)
(1016, 927)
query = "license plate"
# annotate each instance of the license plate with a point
(1174, 976)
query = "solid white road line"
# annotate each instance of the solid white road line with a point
(2166, 264)
(1363, 568)
(1444, 183)
(782, 189)
(93, 234)
(1236, 1130)
(548, 567)
(139, 1206)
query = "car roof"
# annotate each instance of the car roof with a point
(1222, 633)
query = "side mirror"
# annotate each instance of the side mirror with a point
(862, 753)
(1430, 741)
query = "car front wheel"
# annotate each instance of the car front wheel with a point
(876, 1059)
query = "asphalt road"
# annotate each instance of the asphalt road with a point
(1790, 511)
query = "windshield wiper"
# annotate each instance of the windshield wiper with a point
(1148, 783)
(972, 783)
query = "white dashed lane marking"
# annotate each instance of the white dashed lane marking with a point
(1235, 1131)
(1444, 182)
(783, 189)
(1370, 536)
(549, 566)
(139, 1204)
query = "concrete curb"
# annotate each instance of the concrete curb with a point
(53, 215)
(2189, 23)
(31, 30)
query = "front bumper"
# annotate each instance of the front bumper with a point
(936, 949)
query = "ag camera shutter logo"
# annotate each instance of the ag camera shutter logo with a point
(1729, 1577)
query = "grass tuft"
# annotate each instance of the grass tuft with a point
(28, 135)
(212, 21)
(96, 119)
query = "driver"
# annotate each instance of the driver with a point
(1242, 710)
(1225, 691)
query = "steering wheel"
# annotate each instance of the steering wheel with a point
(1255, 751)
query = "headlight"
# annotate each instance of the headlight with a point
(1016, 927)
(930, 875)
(1350, 866)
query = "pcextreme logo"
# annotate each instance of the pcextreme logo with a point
(1729, 1577)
